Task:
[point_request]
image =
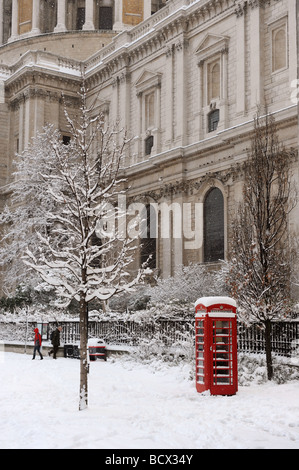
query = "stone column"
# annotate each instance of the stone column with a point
(200, 100)
(35, 17)
(256, 57)
(124, 99)
(14, 21)
(28, 119)
(140, 128)
(118, 20)
(240, 62)
(157, 130)
(293, 35)
(61, 17)
(1, 22)
(180, 91)
(147, 8)
(165, 244)
(2, 92)
(169, 79)
(89, 20)
(177, 241)
(21, 125)
(224, 100)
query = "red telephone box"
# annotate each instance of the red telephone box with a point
(216, 345)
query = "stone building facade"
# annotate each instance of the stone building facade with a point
(185, 78)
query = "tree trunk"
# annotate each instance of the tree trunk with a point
(83, 398)
(268, 338)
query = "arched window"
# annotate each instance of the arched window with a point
(214, 226)
(213, 81)
(150, 110)
(279, 59)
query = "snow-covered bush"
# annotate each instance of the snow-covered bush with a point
(188, 284)
(156, 347)
(12, 331)
(252, 368)
(174, 296)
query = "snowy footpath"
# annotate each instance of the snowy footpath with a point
(137, 406)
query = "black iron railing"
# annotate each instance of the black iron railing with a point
(285, 335)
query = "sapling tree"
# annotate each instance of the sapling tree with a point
(261, 250)
(66, 193)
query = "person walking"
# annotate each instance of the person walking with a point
(37, 343)
(55, 340)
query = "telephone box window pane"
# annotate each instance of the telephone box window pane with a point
(214, 226)
(200, 370)
(222, 356)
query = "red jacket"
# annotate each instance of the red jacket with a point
(37, 337)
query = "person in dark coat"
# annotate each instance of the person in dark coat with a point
(37, 343)
(55, 340)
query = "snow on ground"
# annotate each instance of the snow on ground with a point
(137, 406)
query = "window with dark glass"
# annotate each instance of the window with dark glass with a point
(96, 241)
(66, 139)
(148, 238)
(213, 119)
(214, 226)
(149, 142)
(106, 18)
(80, 18)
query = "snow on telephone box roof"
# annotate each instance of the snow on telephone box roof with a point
(216, 306)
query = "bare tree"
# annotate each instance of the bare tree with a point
(261, 251)
(71, 187)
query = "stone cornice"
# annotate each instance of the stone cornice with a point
(191, 186)
(44, 69)
(202, 150)
(234, 171)
(242, 6)
(52, 96)
(46, 82)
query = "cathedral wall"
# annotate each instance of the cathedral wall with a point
(178, 76)
(185, 87)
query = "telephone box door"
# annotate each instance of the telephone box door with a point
(223, 356)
